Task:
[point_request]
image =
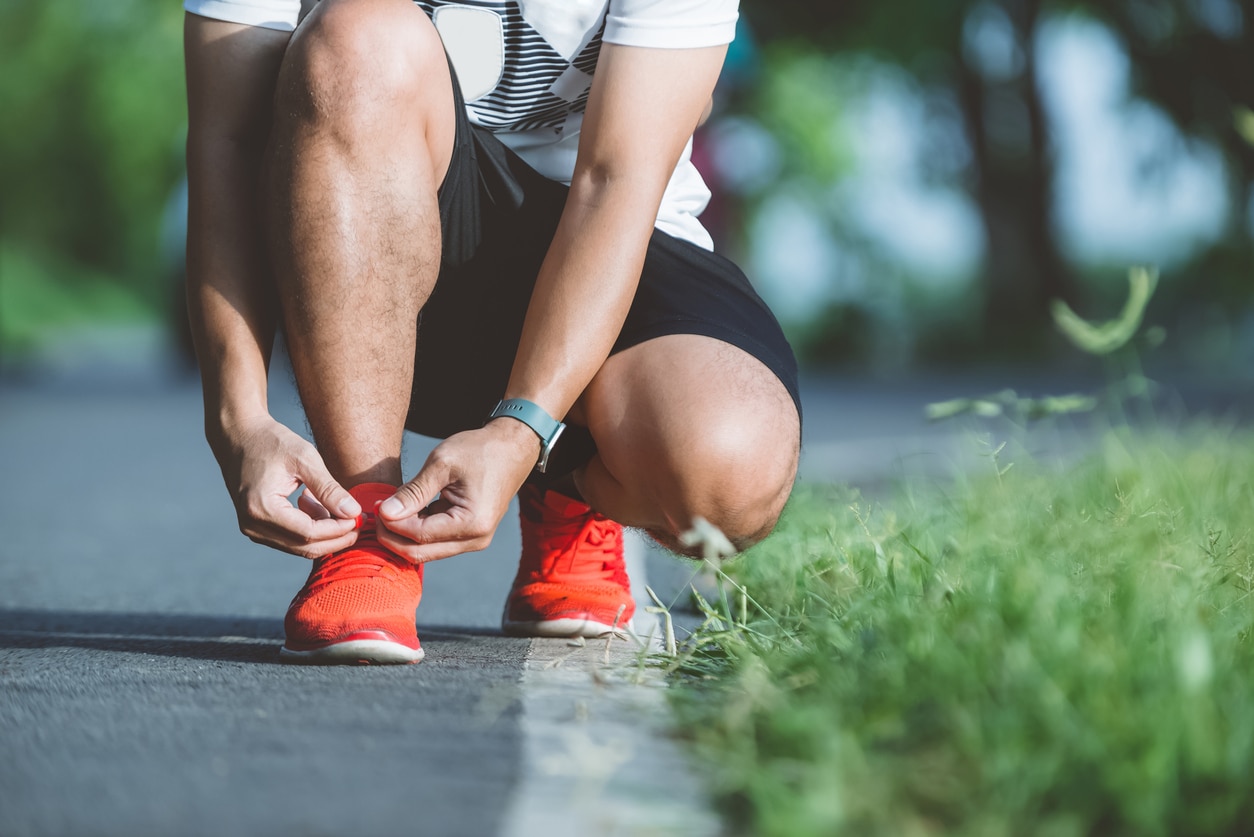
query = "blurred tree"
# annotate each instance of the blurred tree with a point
(92, 95)
(983, 52)
(1193, 57)
(1195, 60)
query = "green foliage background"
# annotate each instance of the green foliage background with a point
(94, 107)
(93, 104)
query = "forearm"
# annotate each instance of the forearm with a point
(230, 294)
(584, 290)
(629, 145)
(231, 73)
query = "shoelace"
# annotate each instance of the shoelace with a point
(588, 548)
(365, 559)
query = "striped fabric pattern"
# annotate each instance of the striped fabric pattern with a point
(527, 96)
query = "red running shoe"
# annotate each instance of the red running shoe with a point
(358, 605)
(572, 580)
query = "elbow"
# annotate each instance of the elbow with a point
(600, 176)
(616, 183)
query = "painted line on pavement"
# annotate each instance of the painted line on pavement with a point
(597, 753)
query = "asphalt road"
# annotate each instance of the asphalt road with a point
(141, 687)
(141, 691)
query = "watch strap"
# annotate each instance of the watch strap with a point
(534, 416)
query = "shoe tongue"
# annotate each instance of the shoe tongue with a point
(565, 506)
(370, 495)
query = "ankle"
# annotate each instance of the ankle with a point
(372, 493)
(369, 495)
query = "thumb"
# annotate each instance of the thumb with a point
(333, 497)
(417, 494)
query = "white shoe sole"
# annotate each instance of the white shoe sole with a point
(356, 652)
(560, 628)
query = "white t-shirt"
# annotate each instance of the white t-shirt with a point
(525, 68)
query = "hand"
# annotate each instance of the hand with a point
(263, 462)
(474, 474)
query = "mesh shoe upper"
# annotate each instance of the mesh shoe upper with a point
(365, 588)
(572, 564)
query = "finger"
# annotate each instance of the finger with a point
(282, 540)
(290, 529)
(321, 548)
(455, 526)
(447, 549)
(328, 492)
(398, 535)
(310, 506)
(301, 528)
(423, 553)
(412, 497)
(439, 506)
(410, 527)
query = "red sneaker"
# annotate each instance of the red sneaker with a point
(358, 605)
(572, 580)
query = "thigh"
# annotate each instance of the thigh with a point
(689, 390)
(684, 424)
(698, 411)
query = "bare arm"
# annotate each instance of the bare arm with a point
(642, 109)
(231, 72)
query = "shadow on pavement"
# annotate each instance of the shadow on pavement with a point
(199, 637)
(219, 638)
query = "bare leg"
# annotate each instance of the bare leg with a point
(361, 142)
(689, 426)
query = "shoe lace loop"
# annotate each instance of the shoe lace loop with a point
(365, 559)
(587, 548)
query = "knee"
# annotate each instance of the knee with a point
(736, 477)
(355, 59)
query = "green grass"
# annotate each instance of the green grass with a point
(42, 298)
(1038, 652)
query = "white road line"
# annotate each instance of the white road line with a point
(597, 757)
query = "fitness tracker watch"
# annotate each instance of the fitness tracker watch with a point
(534, 416)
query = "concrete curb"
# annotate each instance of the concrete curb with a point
(597, 753)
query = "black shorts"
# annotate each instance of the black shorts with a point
(498, 217)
